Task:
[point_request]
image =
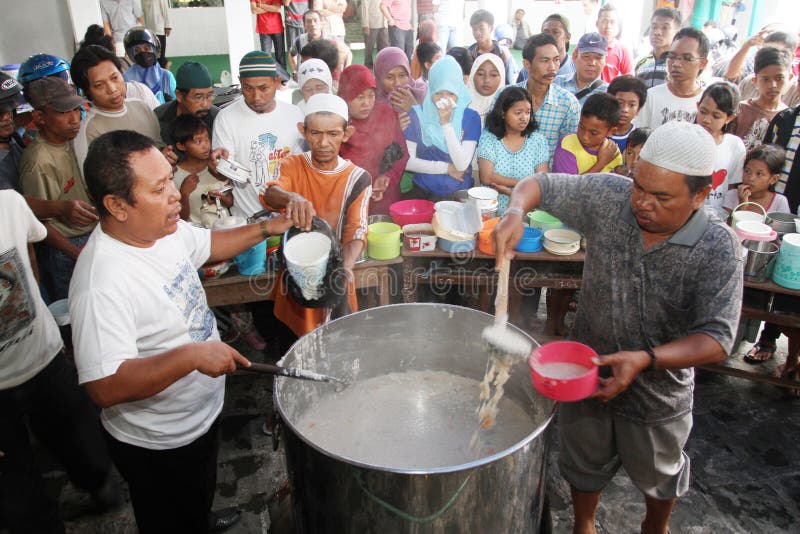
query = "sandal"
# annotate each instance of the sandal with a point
(759, 348)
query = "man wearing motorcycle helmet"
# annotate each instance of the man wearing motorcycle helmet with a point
(11, 144)
(144, 49)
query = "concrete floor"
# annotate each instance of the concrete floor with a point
(745, 467)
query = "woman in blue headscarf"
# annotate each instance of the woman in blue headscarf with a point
(443, 135)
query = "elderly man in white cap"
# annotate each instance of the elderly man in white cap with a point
(661, 294)
(319, 182)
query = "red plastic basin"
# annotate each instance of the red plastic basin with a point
(564, 370)
(411, 212)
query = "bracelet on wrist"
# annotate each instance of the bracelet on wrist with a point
(514, 211)
(262, 225)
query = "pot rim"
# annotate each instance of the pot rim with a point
(537, 431)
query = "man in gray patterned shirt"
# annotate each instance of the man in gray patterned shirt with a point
(661, 294)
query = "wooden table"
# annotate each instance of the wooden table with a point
(787, 315)
(474, 271)
(234, 288)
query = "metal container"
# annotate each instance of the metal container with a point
(782, 223)
(503, 492)
(760, 260)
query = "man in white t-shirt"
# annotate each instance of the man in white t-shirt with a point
(97, 73)
(677, 99)
(146, 343)
(39, 384)
(258, 130)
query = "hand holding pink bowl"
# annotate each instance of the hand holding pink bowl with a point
(564, 370)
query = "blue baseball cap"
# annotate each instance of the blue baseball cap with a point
(593, 42)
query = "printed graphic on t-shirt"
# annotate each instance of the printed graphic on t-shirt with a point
(755, 134)
(669, 115)
(266, 159)
(187, 293)
(17, 307)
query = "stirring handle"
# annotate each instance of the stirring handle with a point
(501, 300)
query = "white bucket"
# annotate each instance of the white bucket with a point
(738, 215)
(306, 257)
(60, 311)
(485, 196)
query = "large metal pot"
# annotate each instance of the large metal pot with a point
(503, 492)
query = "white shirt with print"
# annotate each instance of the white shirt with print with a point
(728, 169)
(662, 106)
(29, 337)
(258, 141)
(129, 302)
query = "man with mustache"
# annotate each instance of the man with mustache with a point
(194, 95)
(589, 58)
(661, 294)
(49, 171)
(556, 110)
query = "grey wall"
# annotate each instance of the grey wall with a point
(34, 26)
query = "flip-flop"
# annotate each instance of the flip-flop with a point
(750, 356)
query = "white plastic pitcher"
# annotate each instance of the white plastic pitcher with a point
(306, 256)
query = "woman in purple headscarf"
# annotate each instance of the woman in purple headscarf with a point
(395, 86)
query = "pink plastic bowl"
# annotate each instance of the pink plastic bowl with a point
(411, 212)
(564, 389)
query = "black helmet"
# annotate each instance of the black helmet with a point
(333, 288)
(10, 93)
(139, 35)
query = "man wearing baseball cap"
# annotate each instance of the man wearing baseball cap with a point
(49, 170)
(194, 94)
(258, 130)
(319, 182)
(661, 294)
(589, 58)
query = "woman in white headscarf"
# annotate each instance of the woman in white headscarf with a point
(486, 79)
(313, 76)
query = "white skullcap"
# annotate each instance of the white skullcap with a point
(681, 147)
(327, 103)
(314, 69)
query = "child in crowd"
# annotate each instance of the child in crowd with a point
(587, 151)
(426, 55)
(199, 190)
(590, 150)
(631, 93)
(771, 75)
(464, 60)
(509, 148)
(762, 168)
(630, 156)
(486, 79)
(482, 23)
(715, 111)
(193, 178)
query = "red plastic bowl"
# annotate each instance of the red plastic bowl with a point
(411, 212)
(570, 389)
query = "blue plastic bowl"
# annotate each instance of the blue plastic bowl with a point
(531, 240)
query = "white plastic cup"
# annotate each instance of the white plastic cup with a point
(306, 257)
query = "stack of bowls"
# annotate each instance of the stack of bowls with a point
(787, 266)
(543, 221)
(562, 242)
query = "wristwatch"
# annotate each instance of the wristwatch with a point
(650, 352)
(262, 225)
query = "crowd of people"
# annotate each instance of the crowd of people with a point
(114, 176)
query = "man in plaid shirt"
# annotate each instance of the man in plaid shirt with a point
(556, 109)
